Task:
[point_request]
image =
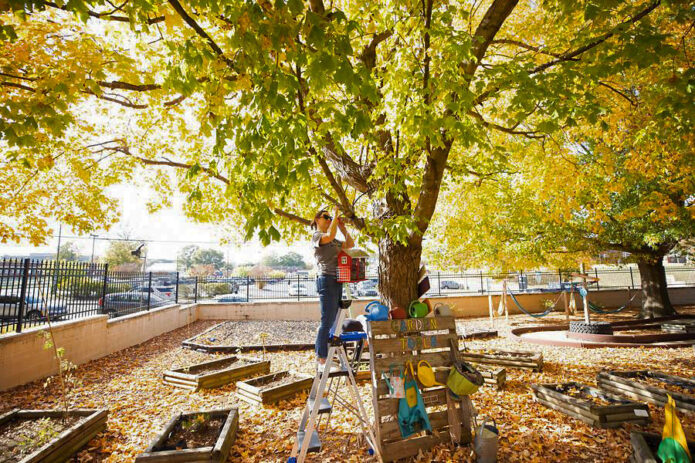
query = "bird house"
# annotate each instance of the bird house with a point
(352, 265)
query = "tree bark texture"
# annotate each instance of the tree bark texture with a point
(398, 272)
(655, 300)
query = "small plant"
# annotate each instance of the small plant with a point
(195, 423)
(47, 431)
(263, 337)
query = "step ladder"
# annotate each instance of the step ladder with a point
(317, 405)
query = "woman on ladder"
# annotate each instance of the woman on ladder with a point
(326, 248)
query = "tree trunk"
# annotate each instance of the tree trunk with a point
(398, 272)
(655, 300)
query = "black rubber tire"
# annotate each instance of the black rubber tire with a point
(34, 316)
(591, 328)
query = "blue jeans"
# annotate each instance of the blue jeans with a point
(330, 292)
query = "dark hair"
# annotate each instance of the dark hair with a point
(316, 217)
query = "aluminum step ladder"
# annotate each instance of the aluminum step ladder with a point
(308, 426)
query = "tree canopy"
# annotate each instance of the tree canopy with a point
(267, 111)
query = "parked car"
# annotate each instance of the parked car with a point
(449, 284)
(298, 289)
(229, 298)
(34, 308)
(165, 292)
(116, 304)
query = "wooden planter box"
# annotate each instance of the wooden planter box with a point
(645, 446)
(630, 384)
(69, 441)
(604, 416)
(495, 377)
(479, 334)
(212, 453)
(193, 344)
(260, 390)
(506, 358)
(200, 376)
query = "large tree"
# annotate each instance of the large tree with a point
(273, 109)
(624, 181)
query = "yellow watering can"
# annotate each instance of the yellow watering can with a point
(426, 375)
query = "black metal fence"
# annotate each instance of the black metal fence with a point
(32, 291)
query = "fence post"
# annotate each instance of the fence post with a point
(439, 281)
(559, 278)
(104, 287)
(632, 279)
(195, 289)
(248, 285)
(482, 290)
(149, 290)
(598, 286)
(298, 291)
(176, 289)
(22, 295)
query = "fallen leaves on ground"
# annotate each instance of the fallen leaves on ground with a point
(129, 383)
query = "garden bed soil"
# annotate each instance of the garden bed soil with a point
(273, 387)
(590, 405)
(243, 336)
(195, 437)
(47, 435)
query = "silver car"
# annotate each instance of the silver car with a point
(34, 308)
(115, 304)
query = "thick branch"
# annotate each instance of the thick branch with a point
(486, 31)
(509, 130)
(615, 90)
(368, 56)
(20, 86)
(354, 174)
(199, 30)
(526, 46)
(118, 85)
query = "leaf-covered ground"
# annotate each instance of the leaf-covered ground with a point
(129, 384)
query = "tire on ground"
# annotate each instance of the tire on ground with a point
(591, 328)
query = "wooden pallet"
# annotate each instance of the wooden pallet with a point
(230, 369)
(619, 412)
(628, 384)
(257, 391)
(645, 446)
(479, 334)
(395, 342)
(506, 358)
(495, 377)
(68, 442)
(217, 453)
(679, 326)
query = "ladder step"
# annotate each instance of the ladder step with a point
(314, 445)
(325, 406)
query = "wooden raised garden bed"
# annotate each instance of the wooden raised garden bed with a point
(215, 373)
(218, 339)
(645, 446)
(590, 405)
(478, 334)
(650, 386)
(273, 387)
(82, 425)
(205, 436)
(495, 377)
(505, 358)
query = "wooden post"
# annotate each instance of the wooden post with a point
(567, 306)
(460, 414)
(585, 300)
(504, 302)
(491, 310)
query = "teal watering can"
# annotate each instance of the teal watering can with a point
(418, 309)
(376, 311)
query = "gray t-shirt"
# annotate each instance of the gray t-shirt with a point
(326, 254)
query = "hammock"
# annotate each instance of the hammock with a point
(534, 315)
(598, 309)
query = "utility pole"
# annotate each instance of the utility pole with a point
(94, 237)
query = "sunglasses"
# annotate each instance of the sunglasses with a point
(327, 217)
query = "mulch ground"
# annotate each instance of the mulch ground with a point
(129, 383)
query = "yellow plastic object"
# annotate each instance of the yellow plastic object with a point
(426, 375)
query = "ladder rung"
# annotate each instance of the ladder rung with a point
(325, 406)
(314, 445)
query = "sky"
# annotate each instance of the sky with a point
(168, 227)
